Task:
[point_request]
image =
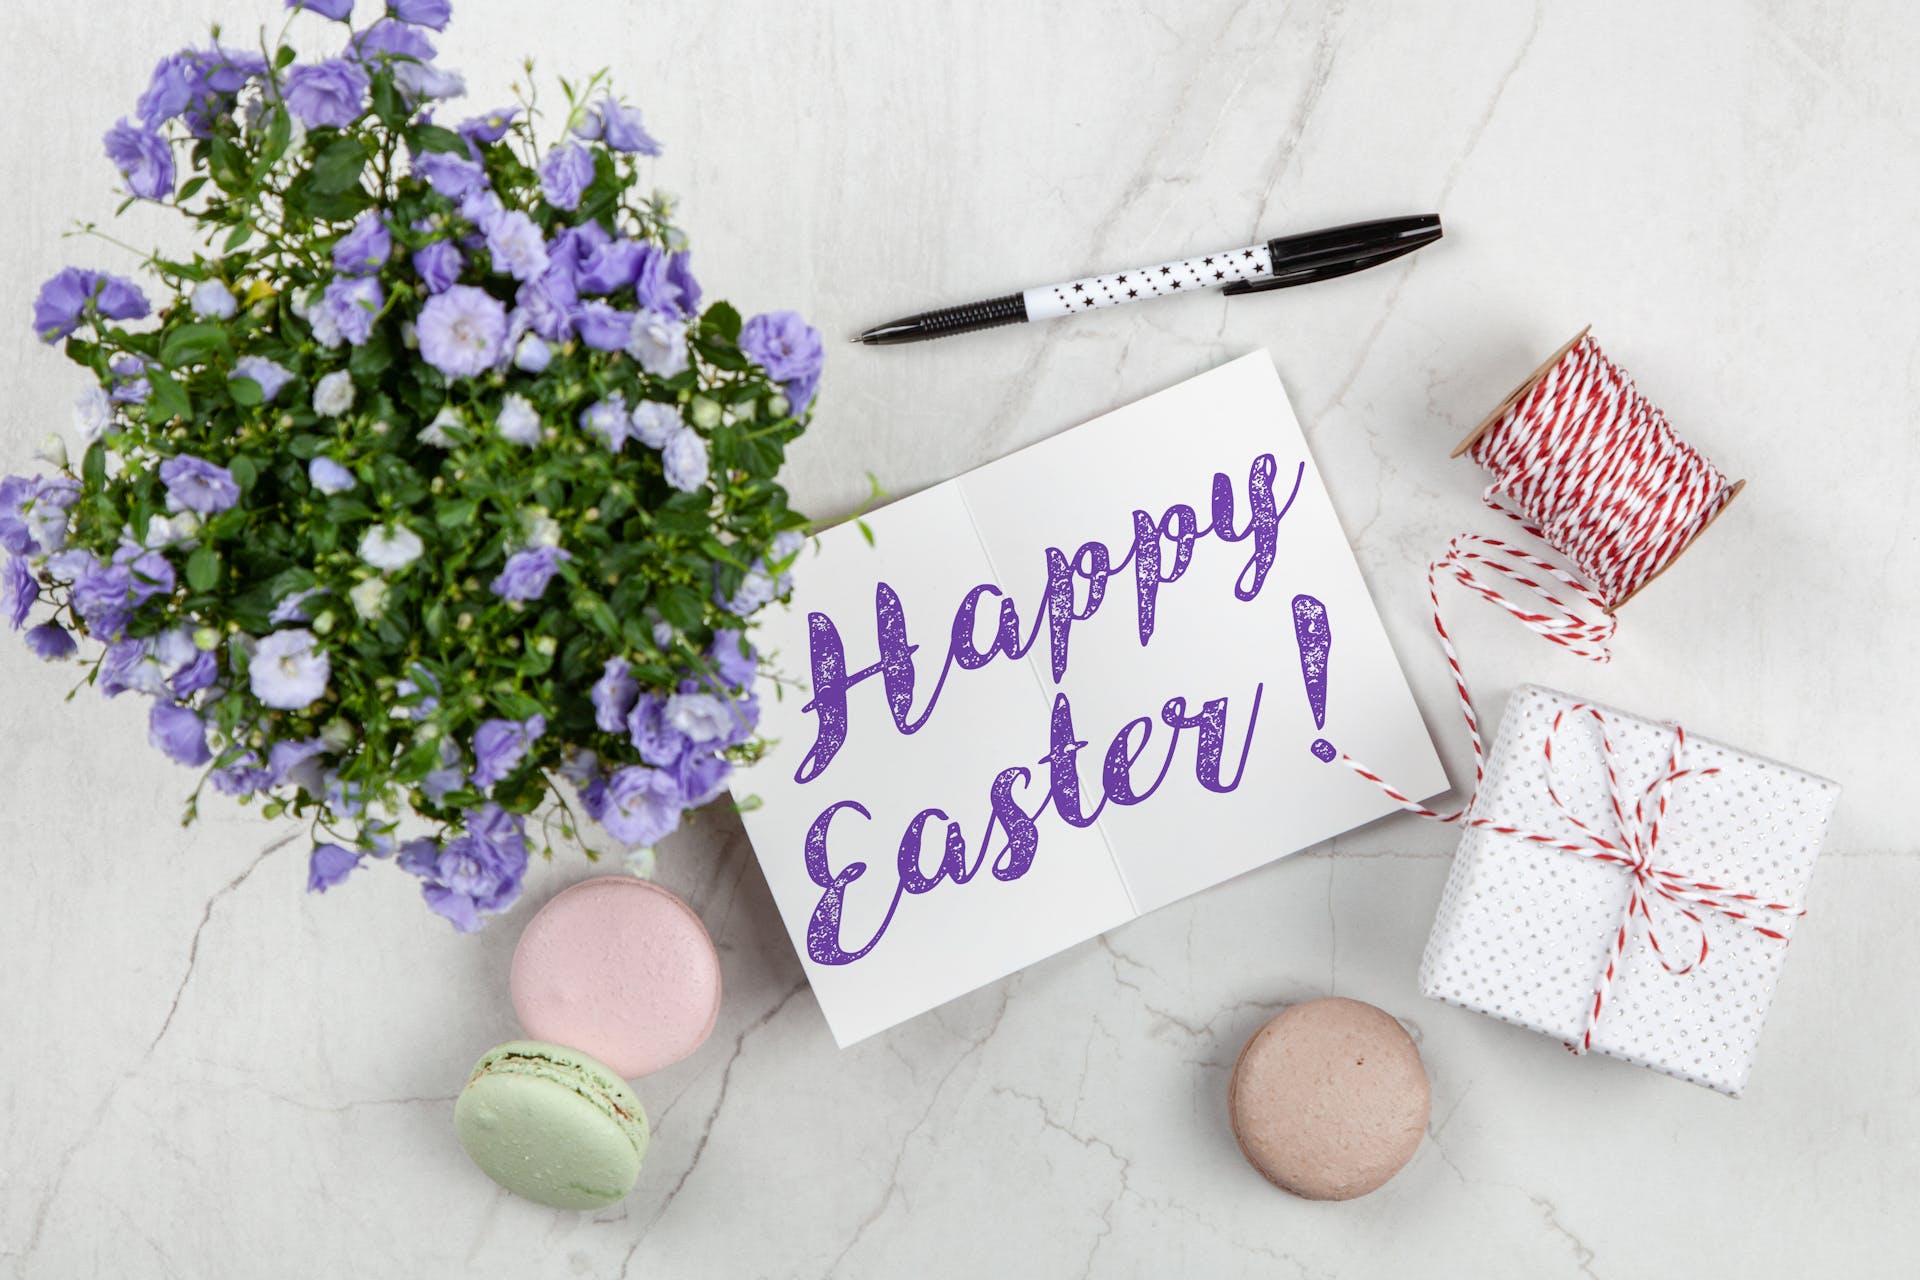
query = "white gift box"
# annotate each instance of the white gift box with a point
(1524, 930)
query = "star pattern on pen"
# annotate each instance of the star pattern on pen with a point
(1155, 281)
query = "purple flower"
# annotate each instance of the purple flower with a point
(170, 89)
(198, 84)
(451, 175)
(613, 695)
(269, 376)
(602, 326)
(528, 572)
(350, 306)
(610, 267)
(18, 591)
(143, 158)
(338, 10)
(684, 460)
(423, 13)
(50, 642)
(565, 175)
(651, 284)
(620, 127)
(700, 716)
(680, 276)
(130, 385)
(289, 671)
(789, 349)
(33, 513)
(333, 93)
(63, 301)
(329, 863)
(462, 331)
(500, 745)
(244, 777)
(389, 39)
(474, 873)
(365, 248)
(654, 423)
(195, 484)
(213, 300)
(105, 595)
(548, 305)
(701, 776)
(297, 760)
(734, 659)
(439, 265)
(328, 476)
(120, 299)
(514, 244)
(572, 246)
(607, 420)
(659, 343)
(179, 734)
(197, 673)
(641, 806)
(489, 128)
(658, 742)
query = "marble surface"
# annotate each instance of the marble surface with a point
(210, 1074)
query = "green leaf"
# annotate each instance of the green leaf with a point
(452, 514)
(93, 468)
(594, 611)
(337, 167)
(203, 569)
(432, 137)
(245, 472)
(386, 100)
(279, 134)
(680, 606)
(239, 237)
(285, 57)
(722, 321)
(191, 343)
(371, 358)
(245, 391)
(167, 399)
(228, 166)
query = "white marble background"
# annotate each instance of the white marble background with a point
(209, 1074)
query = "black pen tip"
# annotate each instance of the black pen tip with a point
(859, 338)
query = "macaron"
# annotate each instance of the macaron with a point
(551, 1124)
(1329, 1099)
(620, 968)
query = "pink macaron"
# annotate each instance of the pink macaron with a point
(621, 969)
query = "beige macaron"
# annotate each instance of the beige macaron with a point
(1329, 1099)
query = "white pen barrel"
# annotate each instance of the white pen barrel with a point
(1212, 271)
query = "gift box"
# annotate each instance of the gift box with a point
(1627, 887)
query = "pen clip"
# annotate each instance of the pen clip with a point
(1323, 255)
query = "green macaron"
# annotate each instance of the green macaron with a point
(552, 1124)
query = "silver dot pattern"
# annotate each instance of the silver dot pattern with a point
(1163, 279)
(1522, 932)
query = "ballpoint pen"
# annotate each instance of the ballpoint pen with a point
(1274, 264)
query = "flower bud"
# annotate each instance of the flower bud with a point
(52, 450)
(778, 405)
(338, 734)
(205, 639)
(324, 624)
(544, 646)
(704, 412)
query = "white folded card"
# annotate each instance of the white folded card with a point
(1062, 690)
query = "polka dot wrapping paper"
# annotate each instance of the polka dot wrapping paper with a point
(1525, 931)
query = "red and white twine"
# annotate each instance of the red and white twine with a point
(1590, 468)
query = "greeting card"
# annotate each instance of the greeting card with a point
(1065, 689)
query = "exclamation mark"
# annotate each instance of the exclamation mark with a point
(1315, 635)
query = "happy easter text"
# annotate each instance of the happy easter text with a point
(1076, 586)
